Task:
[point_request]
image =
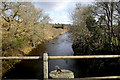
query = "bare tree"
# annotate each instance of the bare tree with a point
(106, 11)
(79, 16)
(118, 11)
(9, 10)
(27, 21)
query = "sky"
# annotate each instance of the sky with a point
(59, 10)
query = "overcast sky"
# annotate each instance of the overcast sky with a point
(59, 10)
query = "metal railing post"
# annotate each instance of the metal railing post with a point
(45, 64)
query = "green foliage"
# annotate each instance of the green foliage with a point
(91, 36)
(96, 35)
(90, 23)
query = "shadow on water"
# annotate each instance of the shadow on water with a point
(32, 69)
(28, 69)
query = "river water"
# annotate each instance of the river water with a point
(32, 69)
(62, 46)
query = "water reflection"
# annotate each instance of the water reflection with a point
(62, 46)
(32, 69)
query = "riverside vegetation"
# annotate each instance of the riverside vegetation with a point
(96, 31)
(23, 28)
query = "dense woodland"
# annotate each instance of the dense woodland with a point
(96, 31)
(23, 27)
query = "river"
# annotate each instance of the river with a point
(32, 69)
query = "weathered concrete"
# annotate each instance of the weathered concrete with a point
(63, 74)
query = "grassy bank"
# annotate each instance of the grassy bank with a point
(22, 41)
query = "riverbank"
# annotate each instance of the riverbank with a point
(32, 69)
(7, 65)
(60, 46)
(97, 67)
